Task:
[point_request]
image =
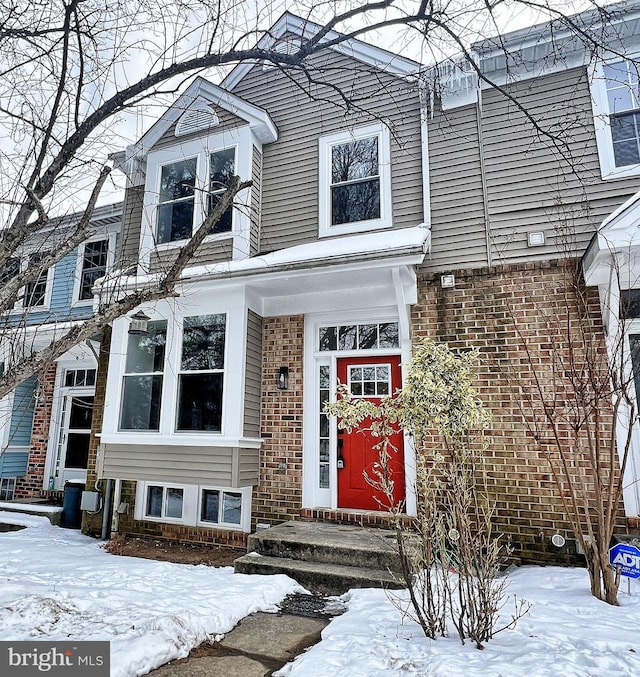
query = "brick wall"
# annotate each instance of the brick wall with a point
(92, 524)
(32, 484)
(278, 496)
(510, 313)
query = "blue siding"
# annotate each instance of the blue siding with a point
(22, 414)
(14, 463)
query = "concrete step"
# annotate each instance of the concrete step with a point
(347, 545)
(323, 577)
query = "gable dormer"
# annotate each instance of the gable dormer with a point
(184, 163)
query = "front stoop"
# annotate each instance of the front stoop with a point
(326, 558)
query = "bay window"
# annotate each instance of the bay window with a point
(201, 376)
(142, 381)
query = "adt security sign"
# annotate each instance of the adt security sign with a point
(625, 558)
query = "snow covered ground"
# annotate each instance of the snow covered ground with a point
(57, 584)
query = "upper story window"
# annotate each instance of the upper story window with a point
(355, 181)
(222, 167)
(179, 197)
(616, 107)
(624, 111)
(35, 294)
(94, 259)
(177, 192)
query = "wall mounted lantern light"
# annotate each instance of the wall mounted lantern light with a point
(139, 324)
(283, 378)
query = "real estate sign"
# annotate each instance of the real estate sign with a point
(626, 559)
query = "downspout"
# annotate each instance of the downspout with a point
(483, 177)
(106, 510)
(424, 143)
(115, 515)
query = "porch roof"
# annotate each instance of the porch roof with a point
(615, 247)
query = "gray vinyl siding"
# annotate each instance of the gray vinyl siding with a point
(290, 165)
(209, 252)
(253, 375)
(458, 236)
(247, 468)
(541, 172)
(131, 225)
(227, 121)
(216, 466)
(256, 201)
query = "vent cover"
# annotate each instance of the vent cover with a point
(198, 118)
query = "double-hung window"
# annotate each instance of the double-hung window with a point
(176, 200)
(624, 111)
(616, 105)
(94, 266)
(222, 165)
(201, 375)
(142, 381)
(355, 190)
(34, 294)
(184, 200)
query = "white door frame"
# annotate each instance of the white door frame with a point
(312, 495)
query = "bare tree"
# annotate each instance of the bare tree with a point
(71, 70)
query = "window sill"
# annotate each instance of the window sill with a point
(175, 244)
(151, 438)
(616, 173)
(352, 228)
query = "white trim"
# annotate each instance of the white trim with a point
(305, 29)
(600, 107)
(261, 123)
(239, 138)
(83, 360)
(232, 304)
(326, 143)
(424, 146)
(312, 495)
(191, 501)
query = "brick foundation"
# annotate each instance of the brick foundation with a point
(31, 486)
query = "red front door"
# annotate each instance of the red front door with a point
(371, 378)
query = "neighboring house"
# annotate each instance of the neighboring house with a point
(418, 210)
(45, 423)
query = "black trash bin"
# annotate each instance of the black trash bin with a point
(71, 514)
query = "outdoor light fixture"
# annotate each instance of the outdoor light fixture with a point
(535, 238)
(447, 281)
(283, 378)
(138, 325)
